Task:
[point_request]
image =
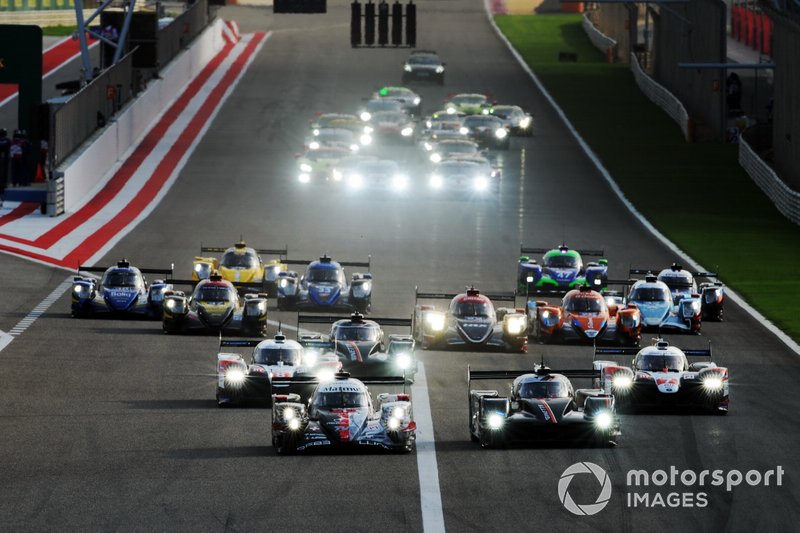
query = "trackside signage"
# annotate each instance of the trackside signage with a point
(669, 488)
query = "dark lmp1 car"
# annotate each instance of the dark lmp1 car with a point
(683, 284)
(584, 316)
(324, 287)
(661, 376)
(239, 381)
(340, 416)
(423, 65)
(562, 269)
(215, 306)
(362, 346)
(121, 292)
(470, 323)
(542, 406)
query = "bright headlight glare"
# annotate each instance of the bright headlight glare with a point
(400, 182)
(366, 139)
(398, 412)
(603, 420)
(365, 116)
(622, 382)
(326, 374)
(435, 321)
(198, 267)
(501, 133)
(314, 145)
(463, 130)
(481, 183)
(283, 283)
(368, 129)
(294, 424)
(713, 383)
(525, 122)
(355, 180)
(407, 131)
(495, 421)
(170, 304)
(417, 100)
(393, 423)
(304, 178)
(484, 111)
(337, 175)
(428, 146)
(451, 110)
(516, 325)
(289, 414)
(78, 289)
(305, 167)
(235, 376)
(436, 181)
(545, 314)
(407, 68)
(436, 157)
(529, 279)
(439, 69)
(354, 148)
(315, 132)
(598, 281)
(310, 357)
(404, 361)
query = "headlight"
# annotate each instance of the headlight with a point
(235, 376)
(463, 130)
(435, 158)
(368, 129)
(407, 131)
(598, 281)
(399, 412)
(529, 279)
(516, 325)
(283, 283)
(713, 383)
(310, 357)
(407, 68)
(366, 286)
(262, 307)
(435, 321)
(337, 174)
(314, 145)
(326, 374)
(451, 110)
(436, 181)
(404, 361)
(315, 132)
(354, 147)
(366, 139)
(495, 421)
(355, 180)
(428, 146)
(525, 122)
(78, 289)
(417, 100)
(289, 414)
(294, 424)
(484, 111)
(622, 382)
(603, 420)
(305, 167)
(439, 69)
(481, 183)
(428, 124)
(545, 314)
(304, 178)
(170, 304)
(501, 133)
(400, 182)
(365, 116)
(393, 423)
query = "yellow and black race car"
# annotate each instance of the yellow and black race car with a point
(242, 266)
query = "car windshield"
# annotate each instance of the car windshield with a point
(215, 293)
(457, 148)
(314, 155)
(274, 354)
(584, 305)
(480, 121)
(394, 93)
(338, 400)
(561, 261)
(465, 309)
(333, 135)
(378, 167)
(323, 274)
(503, 112)
(469, 99)
(326, 120)
(121, 279)
(457, 168)
(423, 60)
(239, 260)
(649, 294)
(384, 105)
(660, 363)
(543, 389)
(356, 333)
(389, 116)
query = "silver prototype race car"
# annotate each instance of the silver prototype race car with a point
(340, 416)
(324, 287)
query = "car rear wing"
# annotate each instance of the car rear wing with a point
(494, 296)
(676, 267)
(356, 264)
(166, 271)
(538, 370)
(308, 379)
(239, 343)
(258, 286)
(689, 352)
(330, 319)
(532, 250)
(265, 251)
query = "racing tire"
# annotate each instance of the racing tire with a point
(488, 439)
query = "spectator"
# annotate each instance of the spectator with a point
(110, 32)
(17, 155)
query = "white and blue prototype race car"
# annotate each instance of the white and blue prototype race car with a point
(660, 313)
(324, 287)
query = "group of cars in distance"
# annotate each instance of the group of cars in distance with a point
(317, 385)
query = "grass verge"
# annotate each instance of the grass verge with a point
(696, 194)
(58, 31)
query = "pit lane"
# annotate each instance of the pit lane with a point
(113, 425)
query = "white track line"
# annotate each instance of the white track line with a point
(430, 495)
(788, 341)
(30, 318)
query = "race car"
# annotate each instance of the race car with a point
(660, 312)
(392, 126)
(584, 316)
(542, 406)
(661, 376)
(562, 269)
(487, 131)
(439, 117)
(340, 415)
(423, 65)
(468, 103)
(317, 165)
(441, 130)
(373, 105)
(240, 381)
(121, 292)
(447, 148)
(467, 174)
(374, 173)
(515, 119)
(343, 121)
(470, 323)
(324, 287)
(214, 307)
(362, 346)
(241, 265)
(683, 284)
(411, 101)
(334, 137)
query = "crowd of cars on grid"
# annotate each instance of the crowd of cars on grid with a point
(454, 143)
(317, 384)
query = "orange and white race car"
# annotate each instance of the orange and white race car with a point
(242, 266)
(584, 316)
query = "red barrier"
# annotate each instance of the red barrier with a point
(750, 28)
(742, 23)
(768, 26)
(757, 37)
(735, 22)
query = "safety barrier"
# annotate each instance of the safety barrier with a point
(786, 200)
(600, 40)
(751, 26)
(664, 99)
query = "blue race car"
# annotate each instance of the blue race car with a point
(121, 292)
(324, 287)
(683, 284)
(562, 270)
(660, 312)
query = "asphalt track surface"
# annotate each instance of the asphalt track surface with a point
(110, 425)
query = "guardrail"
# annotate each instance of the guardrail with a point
(664, 99)
(786, 200)
(600, 40)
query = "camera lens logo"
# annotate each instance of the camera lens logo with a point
(586, 509)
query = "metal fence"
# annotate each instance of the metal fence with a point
(176, 35)
(43, 5)
(90, 108)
